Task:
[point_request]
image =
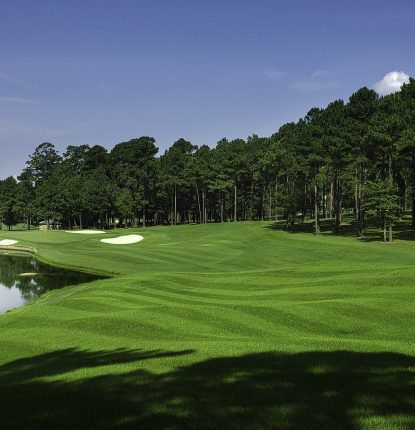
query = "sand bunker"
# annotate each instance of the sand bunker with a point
(124, 240)
(7, 242)
(86, 231)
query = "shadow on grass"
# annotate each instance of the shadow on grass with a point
(311, 390)
(401, 230)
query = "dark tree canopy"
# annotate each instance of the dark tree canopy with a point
(355, 157)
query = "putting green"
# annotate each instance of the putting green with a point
(216, 326)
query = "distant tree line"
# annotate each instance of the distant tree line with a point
(350, 157)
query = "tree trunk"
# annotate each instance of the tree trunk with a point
(337, 202)
(304, 210)
(413, 190)
(287, 192)
(251, 207)
(221, 206)
(144, 209)
(198, 204)
(356, 196)
(171, 210)
(390, 232)
(324, 200)
(316, 211)
(361, 212)
(276, 198)
(205, 203)
(361, 203)
(413, 207)
(235, 213)
(203, 206)
(175, 205)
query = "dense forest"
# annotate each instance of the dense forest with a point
(349, 158)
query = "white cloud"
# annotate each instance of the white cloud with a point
(10, 79)
(276, 74)
(320, 74)
(17, 100)
(308, 85)
(317, 81)
(391, 83)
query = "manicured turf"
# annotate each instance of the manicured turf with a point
(229, 326)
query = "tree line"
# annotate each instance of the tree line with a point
(351, 157)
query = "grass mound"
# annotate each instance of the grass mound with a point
(216, 326)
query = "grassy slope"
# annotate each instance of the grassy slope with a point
(234, 325)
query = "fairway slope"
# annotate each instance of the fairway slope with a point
(218, 326)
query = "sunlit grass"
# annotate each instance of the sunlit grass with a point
(236, 325)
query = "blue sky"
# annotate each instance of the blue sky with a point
(101, 72)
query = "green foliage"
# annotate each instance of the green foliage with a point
(381, 195)
(9, 203)
(316, 167)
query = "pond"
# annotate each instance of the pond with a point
(23, 279)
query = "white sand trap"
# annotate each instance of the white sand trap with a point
(7, 242)
(85, 231)
(124, 240)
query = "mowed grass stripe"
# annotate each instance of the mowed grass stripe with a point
(240, 318)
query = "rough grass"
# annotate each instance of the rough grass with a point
(219, 326)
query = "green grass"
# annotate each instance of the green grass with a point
(216, 327)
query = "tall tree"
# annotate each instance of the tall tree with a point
(179, 175)
(132, 167)
(361, 107)
(406, 143)
(336, 141)
(381, 196)
(8, 198)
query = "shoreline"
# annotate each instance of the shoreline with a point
(25, 251)
(11, 249)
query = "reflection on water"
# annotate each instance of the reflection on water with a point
(23, 279)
